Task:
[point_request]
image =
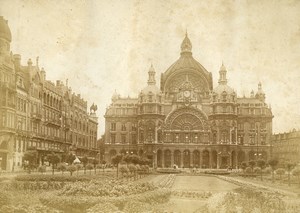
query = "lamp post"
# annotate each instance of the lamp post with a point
(256, 136)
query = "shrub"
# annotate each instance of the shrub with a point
(71, 169)
(51, 178)
(257, 170)
(42, 169)
(267, 170)
(248, 170)
(62, 167)
(5, 198)
(90, 166)
(280, 172)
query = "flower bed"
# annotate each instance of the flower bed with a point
(82, 203)
(168, 170)
(59, 178)
(167, 182)
(190, 194)
(35, 185)
(112, 188)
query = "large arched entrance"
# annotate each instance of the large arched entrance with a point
(241, 157)
(252, 155)
(112, 153)
(196, 159)
(159, 158)
(214, 159)
(186, 158)
(167, 156)
(233, 159)
(177, 159)
(205, 163)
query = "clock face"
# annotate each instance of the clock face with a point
(186, 94)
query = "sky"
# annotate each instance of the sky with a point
(105, 45)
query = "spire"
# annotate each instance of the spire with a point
(186, 45)
(260, 93)
(223, 72)
(151, 78)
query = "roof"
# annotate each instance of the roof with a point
(4, 29)
(223, 87)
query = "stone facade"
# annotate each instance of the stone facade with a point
(286, 146)
(37, 114)
(187, 122)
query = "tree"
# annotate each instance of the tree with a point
(296, 172)
(244, 165)
(261, 164)
(103, 165)
(116, 160)
(95, 163)
(252, 164)
(280, 172)
(53, 159)
(42, 169)
(124, 170)
(30, 158)
(132, 169)
(289, 166)
(70, 158)
(90, 166)
(273, 164)
(78, 167)
(71, 169)
(84, 161)
(62, 167)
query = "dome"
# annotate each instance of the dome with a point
(151, 89)
(223, 88)
(4, 30)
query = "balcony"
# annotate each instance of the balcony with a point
(36, 116)
(53, 122)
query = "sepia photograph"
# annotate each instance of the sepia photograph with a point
(149, 106)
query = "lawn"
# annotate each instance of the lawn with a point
(202, 183)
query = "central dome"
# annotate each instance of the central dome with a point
(4, 30)
(188, 65)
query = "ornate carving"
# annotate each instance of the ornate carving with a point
(189, 118)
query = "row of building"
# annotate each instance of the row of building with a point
(36, 113)
(186, 121)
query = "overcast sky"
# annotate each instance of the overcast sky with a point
(102, 46)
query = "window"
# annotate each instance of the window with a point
(133, 127)
(123, 138)
(123, 128)
(113, 126)
(133, 138)
(113, 138)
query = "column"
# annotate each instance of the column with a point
(201, 159)
(191, 160)
(210, 159)
(230, 160)
(218, 161)
(181, 159)
(236, 160)
(247, 156)
(155, 160)
(162, 158)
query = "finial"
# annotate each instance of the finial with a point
(186, 32)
